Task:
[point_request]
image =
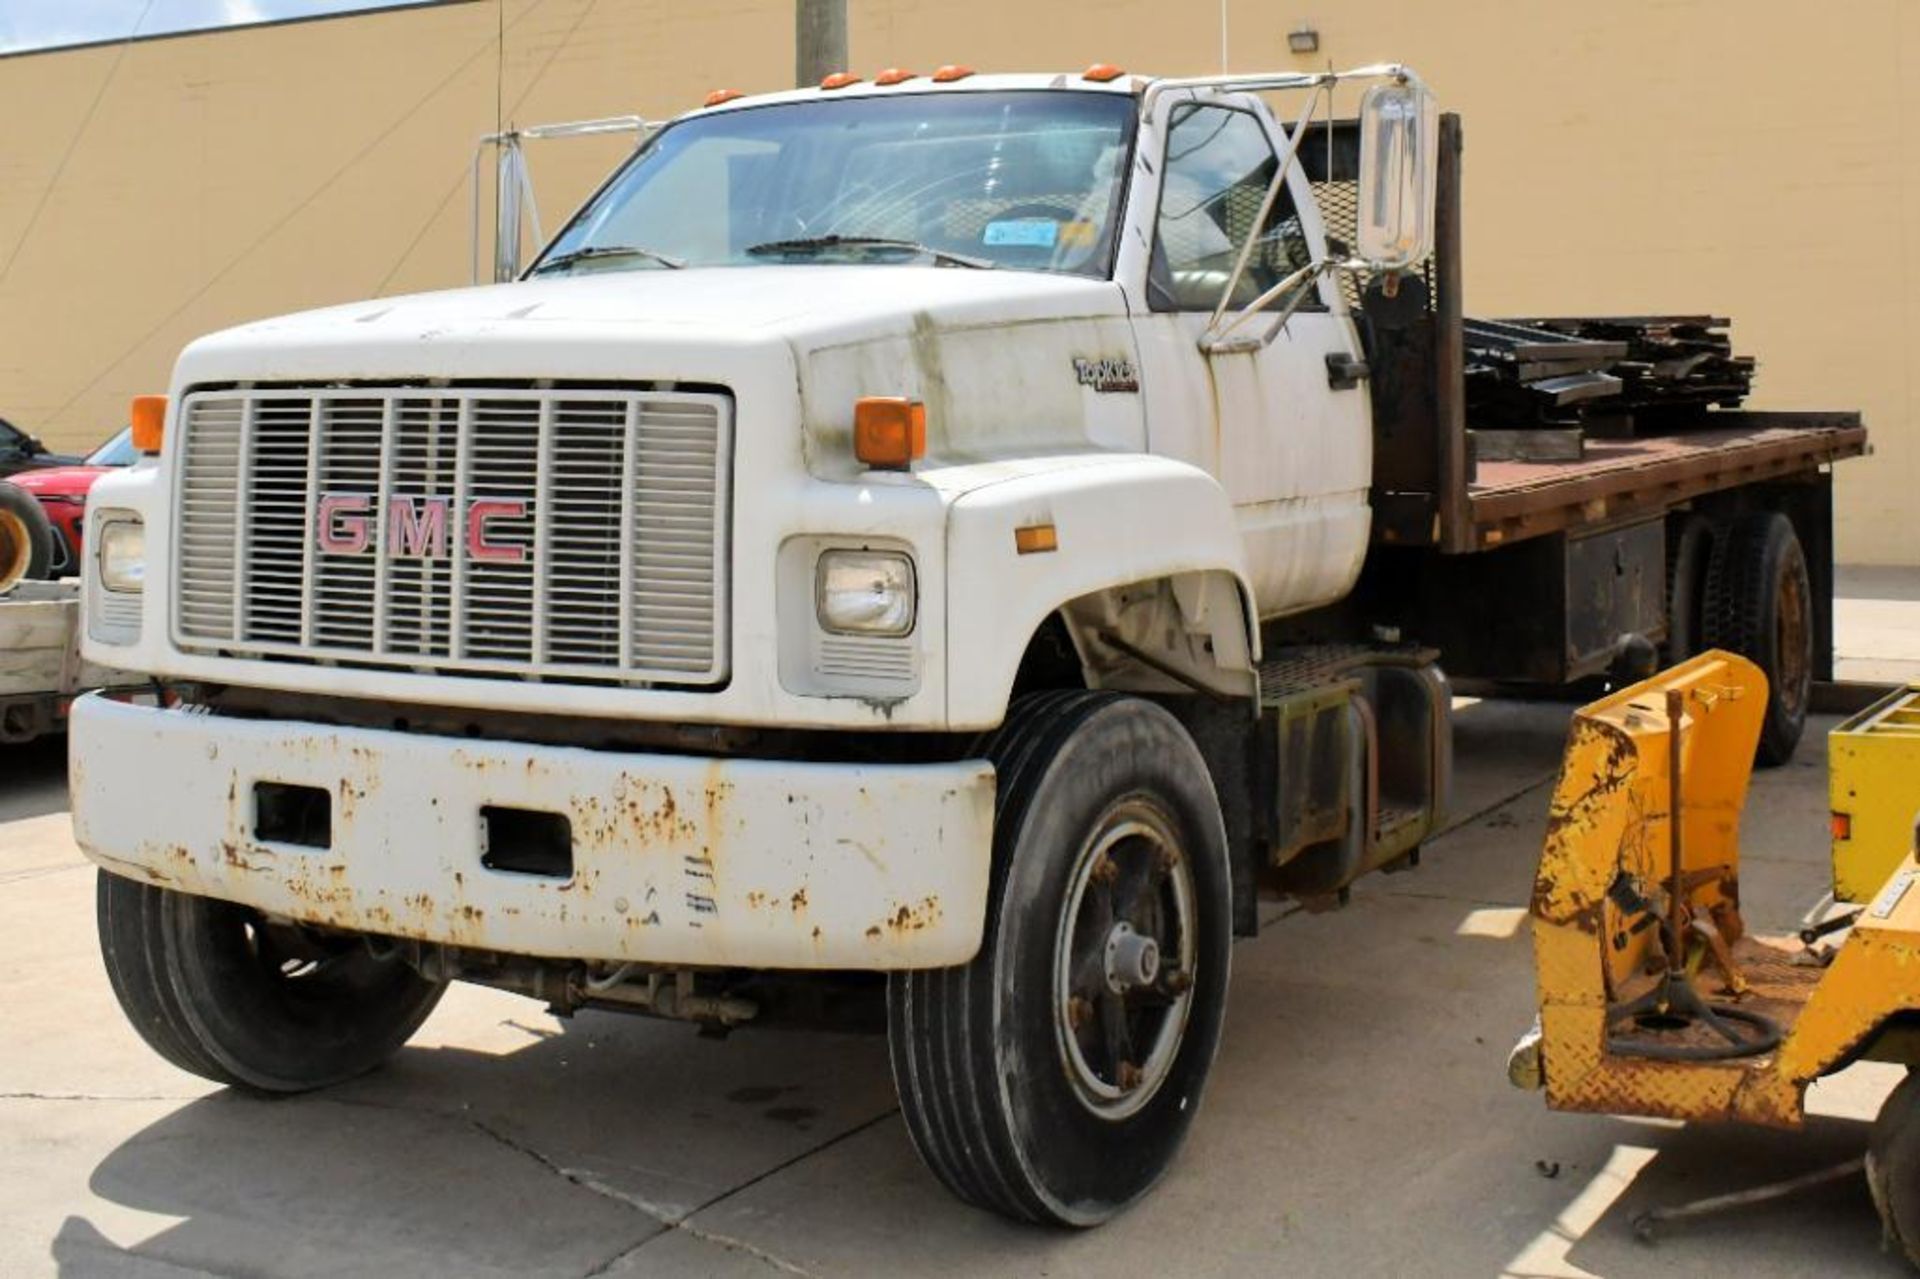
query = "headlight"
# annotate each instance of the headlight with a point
(123, 555)
(865, 592)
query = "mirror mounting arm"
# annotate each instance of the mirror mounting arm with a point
(1218, 340)
(1280, 172)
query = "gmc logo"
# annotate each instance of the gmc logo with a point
(417, 527)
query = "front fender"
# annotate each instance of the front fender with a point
(1118, 520)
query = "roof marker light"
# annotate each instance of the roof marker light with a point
(951, 72)
(839, 80)
(718, 96)
(893, 75)
(1101, 72)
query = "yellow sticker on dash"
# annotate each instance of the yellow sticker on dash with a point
(1076, 235)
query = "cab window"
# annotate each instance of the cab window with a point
(1217, 169)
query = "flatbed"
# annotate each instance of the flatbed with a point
(1623, 478)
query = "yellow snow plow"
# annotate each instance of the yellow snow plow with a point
(1654, 1000)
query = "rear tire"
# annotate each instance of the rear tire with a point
(1760, 605)
(223, 993)
(26, 537)
(1689, 557)
(1054, 1077)
(1893, 1167)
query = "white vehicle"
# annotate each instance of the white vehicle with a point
(955, 528)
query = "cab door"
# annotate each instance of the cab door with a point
(1285, 430)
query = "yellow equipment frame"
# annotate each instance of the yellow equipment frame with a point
(1604, 866)
(1874, 786)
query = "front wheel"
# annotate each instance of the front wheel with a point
(1054, 1077)
(228, 994)
(1893, 1167)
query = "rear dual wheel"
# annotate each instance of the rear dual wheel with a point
(225, 993)
(1744, 586)
(1053, 1078)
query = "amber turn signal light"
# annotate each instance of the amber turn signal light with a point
(889, 432)
(148, 417)
(1842, 825)
(1101, 72)
(1036, 539)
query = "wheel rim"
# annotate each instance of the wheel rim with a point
(1124, 960)
(305, 966)
(15, 549)
(1793, 644)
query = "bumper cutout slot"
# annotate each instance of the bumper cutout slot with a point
(526, 842)
(288, 814)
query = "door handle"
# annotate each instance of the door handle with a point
(1344, 372)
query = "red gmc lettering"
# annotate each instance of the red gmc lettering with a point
(417, 528)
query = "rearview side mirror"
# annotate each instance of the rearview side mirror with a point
(1399, 150)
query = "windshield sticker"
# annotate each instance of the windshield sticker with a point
(1026, 233)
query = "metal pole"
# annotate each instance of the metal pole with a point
(819, 40)
(1677, 889)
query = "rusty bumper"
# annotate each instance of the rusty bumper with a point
(674, 859)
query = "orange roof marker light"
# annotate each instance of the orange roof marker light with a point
(718, 96)
(1101, 72)
(951, 72)
(893, 75)
(839, 80)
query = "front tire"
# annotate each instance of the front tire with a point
(1054, 1077)
(1893, 1167)
(224, 993)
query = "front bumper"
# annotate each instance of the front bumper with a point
(675, 859)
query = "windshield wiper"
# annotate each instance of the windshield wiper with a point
(593, 251)
(820, 243)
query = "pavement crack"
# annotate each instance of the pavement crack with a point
(94, 1096)
(40, 872)
(1451, 827)
(665, 1219)
(686, 1222)
(669, 1219)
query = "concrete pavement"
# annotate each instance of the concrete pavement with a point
(1359, 1122)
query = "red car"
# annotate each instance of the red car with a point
(62, 491)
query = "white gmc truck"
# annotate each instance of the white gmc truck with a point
(952, 540)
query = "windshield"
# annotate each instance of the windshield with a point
(118, 451)
(1022, 179)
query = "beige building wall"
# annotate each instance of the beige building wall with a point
(1750, 157)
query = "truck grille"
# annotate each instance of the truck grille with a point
(570, 535)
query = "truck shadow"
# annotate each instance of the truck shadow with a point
(549, 1156)
(33, 778)
(564, 1155)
